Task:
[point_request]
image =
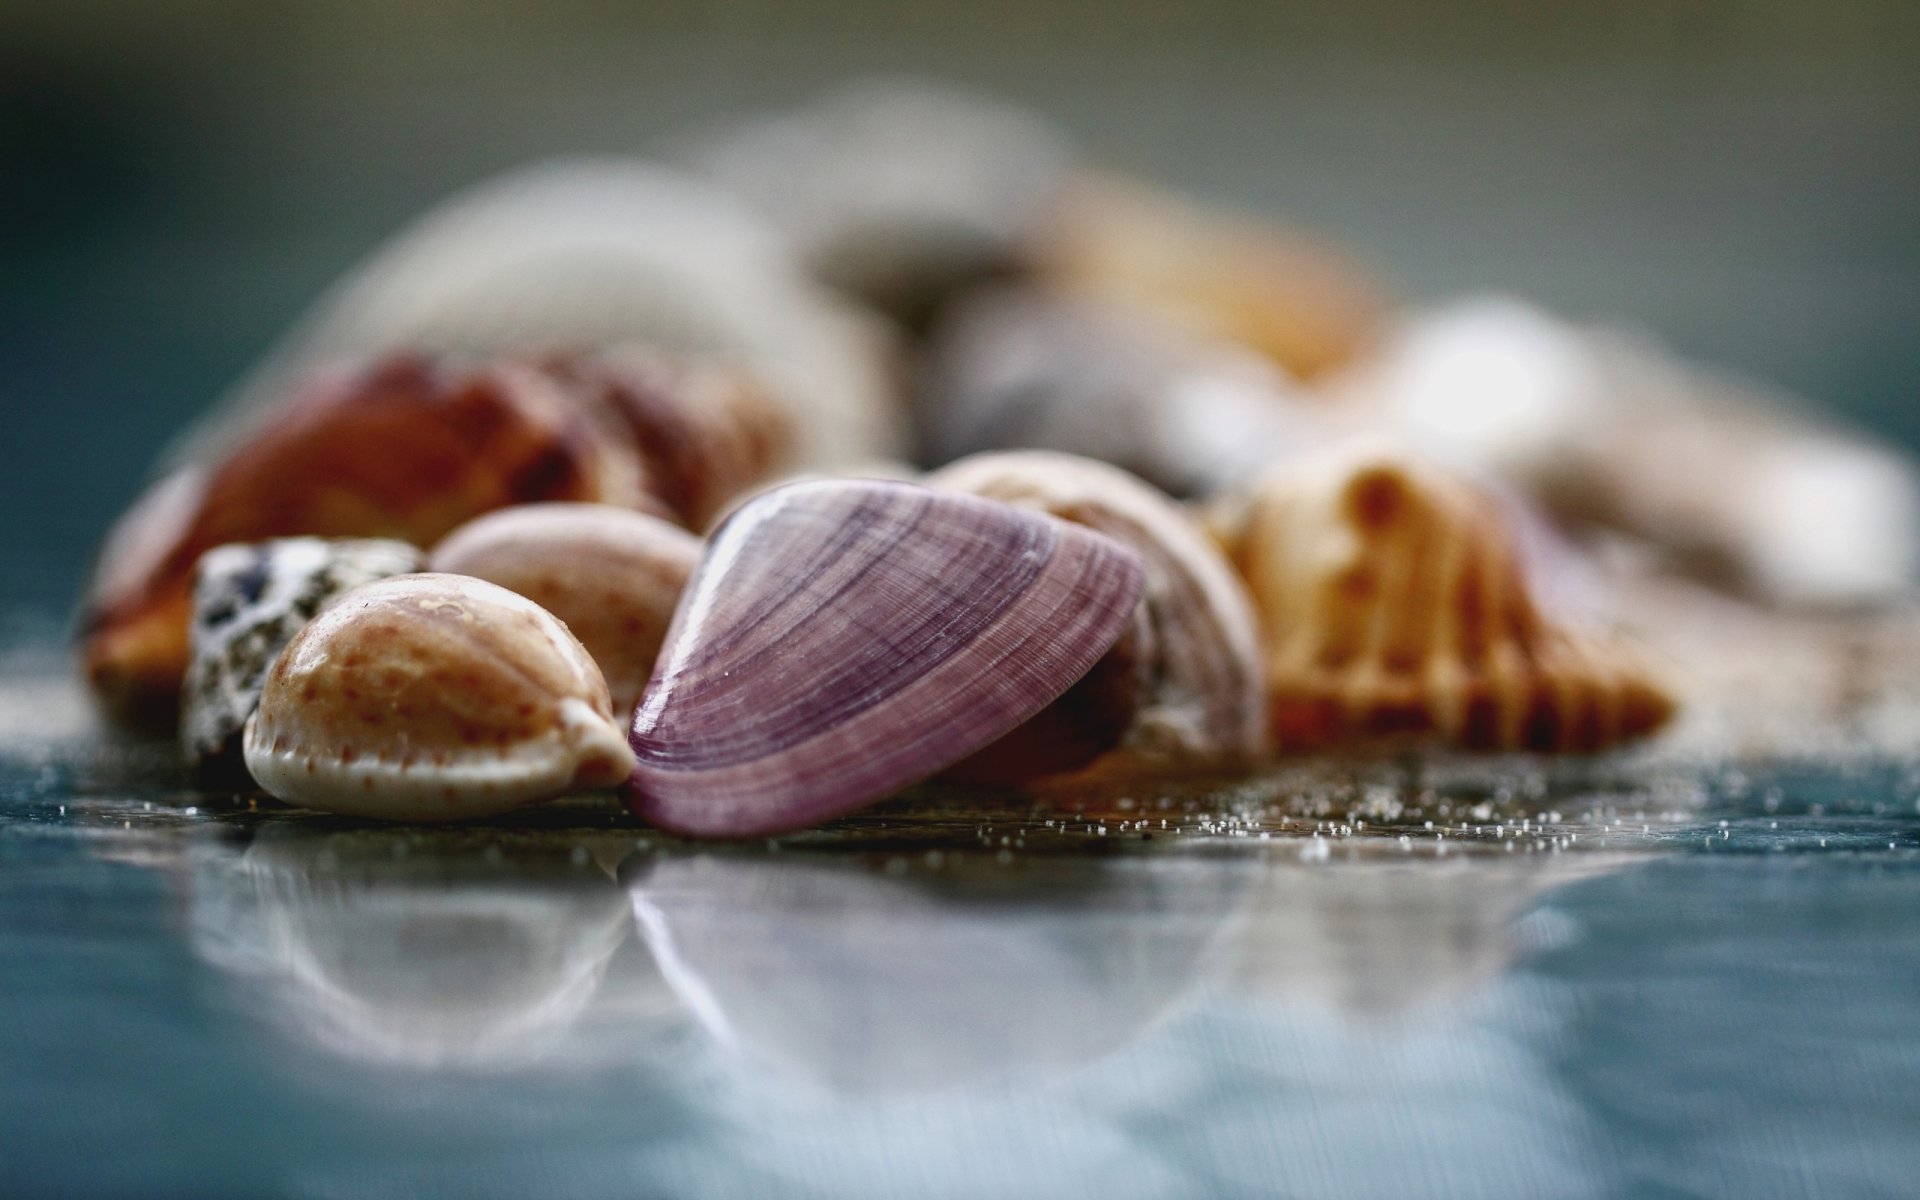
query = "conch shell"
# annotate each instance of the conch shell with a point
(1399, 603)
(705, 431)
(401, 448)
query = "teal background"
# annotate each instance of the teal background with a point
(178, 180)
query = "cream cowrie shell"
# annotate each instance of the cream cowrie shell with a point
(433, 698)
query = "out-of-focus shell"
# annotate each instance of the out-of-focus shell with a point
(1201, 703)
(705, 431)
(417, 948)
(844, 639)
(433, 698)
(1609, 431)
(1012, 368)
(399, 448)
(1397, 603)
(898, 191)
(248, 602)
(612, 575)
(587, 253)
(1294, 299)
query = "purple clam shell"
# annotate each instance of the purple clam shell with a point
(844, 639)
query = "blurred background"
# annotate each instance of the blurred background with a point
(178, 180)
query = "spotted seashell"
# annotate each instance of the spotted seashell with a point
(842, 640)
(1274, 289)
(614, 576)
(1196, 662)
(402, 447)
(248, 602)
(1398, 602)
(433, 698)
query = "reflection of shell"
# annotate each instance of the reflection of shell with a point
(895, 190)
(399, 448)
(248, 602)
(1203, 694)
(1011, 368)
(845, 639)
(1396, 603)
(856, 982)
(612, 575)
(433, 698)
(415, 948)
(599, 252)
(1289, 297)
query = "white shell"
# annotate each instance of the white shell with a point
(888, 187)
(583, 253)
(433, 698)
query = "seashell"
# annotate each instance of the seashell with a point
(842, 640)
(1297, 301)
(1012, 368)
(433, 698)
(593, 252)
(705, 432)
(1196, 669)
(1610, 432)
(1399, 602)
(898, 191)
(612, 575)
(248, 602)
(398, 448)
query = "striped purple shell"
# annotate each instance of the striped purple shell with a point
(844, 639)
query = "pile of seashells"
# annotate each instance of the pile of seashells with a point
(883, 441)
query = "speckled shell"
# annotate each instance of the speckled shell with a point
(248, 602)
(705, 432)
(845, 639)
(433, 698)
(1198, 660)
(1015, 368)
(612, 575)
(401, 448)
(1278, 291)
(1398, 604)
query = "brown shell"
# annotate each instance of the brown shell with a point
(705, 431)
(399, 448)
(1184, 690)
(612, 575)
(1280, 292)
(433, 698)
(1398, 604)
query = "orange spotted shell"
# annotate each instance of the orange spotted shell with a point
(1398, 603)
